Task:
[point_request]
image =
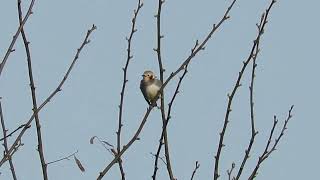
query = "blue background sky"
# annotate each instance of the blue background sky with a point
(287, 74)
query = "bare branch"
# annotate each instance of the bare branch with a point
(125, 69)
(10, 134)
(5, 143)
(125, 147)
(166, 123)
(195, 170)
(162, 101)
(268, 151)
(236, 86)
(251, 88)
(64, 158)
(58, 89)
(194, 52)
(15, 37)
(161, 158)
(229, 172)
(199, 46)
(159, 37)
(33, 95)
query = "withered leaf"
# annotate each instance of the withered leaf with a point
(80, 166)
(91, 139)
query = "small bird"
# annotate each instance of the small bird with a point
(150, 86)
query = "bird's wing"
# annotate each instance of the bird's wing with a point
(144, 91)
(158, 83)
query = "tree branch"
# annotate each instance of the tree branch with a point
(162, 101)
(58, 89)
(268, 151)
(10, 134)
(229, 172)
(161, 158)
(125, 69)
(194, 52)
(125, 147)
(253, 131)
(33, 95)
(15, 37)
(237, 85)
(5, 143)
(200, 46)
(61, 159)
(166, 124)
(195, 170)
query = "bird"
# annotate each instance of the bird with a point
(150, 86)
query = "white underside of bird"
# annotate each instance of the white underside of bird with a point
(152, 91)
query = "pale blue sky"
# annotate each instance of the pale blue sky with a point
(287, 74)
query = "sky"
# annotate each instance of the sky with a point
(287, 74)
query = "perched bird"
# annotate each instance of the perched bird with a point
(150, 86)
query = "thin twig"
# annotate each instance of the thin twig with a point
(162, 101)
(34, 98)
(268, 151)
(64, 158)
(229, 172)
(5, 143)
(251, 88)
(195, 170)
(10, 134)
(125, 80)
(58, 89)
(161, 158)
(236, 86)
(15, 37)
(125, 147)
(104, 144)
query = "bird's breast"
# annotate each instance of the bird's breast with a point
(152, 90)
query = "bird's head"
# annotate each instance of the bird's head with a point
(148, 75)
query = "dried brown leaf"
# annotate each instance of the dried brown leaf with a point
(80, 166)
(91, 139)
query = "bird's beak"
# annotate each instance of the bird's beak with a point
(143, 75)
